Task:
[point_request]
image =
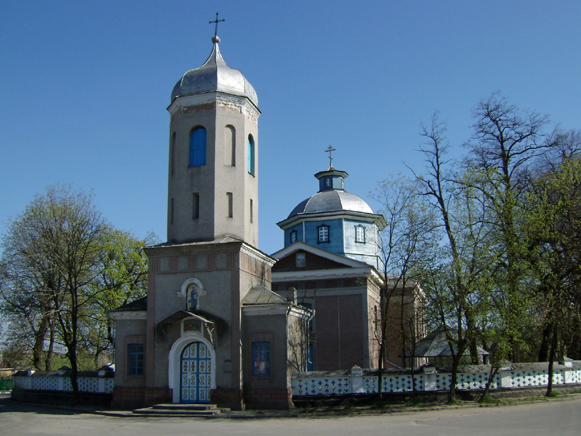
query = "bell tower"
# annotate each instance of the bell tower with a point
(213, 155)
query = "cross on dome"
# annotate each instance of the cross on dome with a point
(215, 38)
(330, 150)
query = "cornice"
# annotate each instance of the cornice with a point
(318, 216)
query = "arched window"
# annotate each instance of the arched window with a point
(251, 155)
(192, 295)
(198, 147)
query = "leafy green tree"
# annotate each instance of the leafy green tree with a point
(505, 144)
(64, 264)
(122, 277)
(554, 234)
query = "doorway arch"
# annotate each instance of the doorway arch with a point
(197, 380)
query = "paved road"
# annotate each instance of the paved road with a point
(555, 417)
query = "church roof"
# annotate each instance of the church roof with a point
(331, 201)
(137, 305)
(214, 75)
(436, 345)
(261, 295)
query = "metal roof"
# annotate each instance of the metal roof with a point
(330, 201)
(215, 75)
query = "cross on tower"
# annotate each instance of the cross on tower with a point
(216, 21)
(330, 150)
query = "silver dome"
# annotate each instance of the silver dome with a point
(331, 201)
(215, 75)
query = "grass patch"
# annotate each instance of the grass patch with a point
(553, 394)
(379, 405)
(413, 403)
(490, 400)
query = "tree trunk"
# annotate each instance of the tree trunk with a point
(50, 351)
(491, 375)
(452, 391)
(544, 348)
(551, 360)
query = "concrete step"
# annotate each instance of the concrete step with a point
(188, 406)
(180, 410)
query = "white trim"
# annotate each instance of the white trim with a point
(142, 314)
(190, 281)
(347, 261)
(265, 309)
(373, 218)
(320, 274)
(249, 250)
(174, 362)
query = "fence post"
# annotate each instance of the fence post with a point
(356, 380)
(505, 376)
(430, 378)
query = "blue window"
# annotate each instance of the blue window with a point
(323, 232)
(198, 147)
(251, 155)
(135, 359)
(261, 358)
(293, 236)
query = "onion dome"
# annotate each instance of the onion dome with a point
(215, 75)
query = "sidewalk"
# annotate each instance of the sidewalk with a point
(313, 412)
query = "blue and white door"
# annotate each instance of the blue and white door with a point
(196, 373)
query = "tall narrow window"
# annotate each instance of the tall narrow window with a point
(135, 359)
(172, 154)
(251, 155)
(171, 212)
(198, 147)
(360, 234)
(293, 236)
(251, 210)
(230, 204)
(230, 146)
(195, 205)
(261, 358)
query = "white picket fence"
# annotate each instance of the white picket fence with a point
(54, 382)
(358, 381)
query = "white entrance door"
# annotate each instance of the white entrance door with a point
(196, 370)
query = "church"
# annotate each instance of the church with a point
(224, 322)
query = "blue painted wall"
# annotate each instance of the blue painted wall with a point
(341, 238)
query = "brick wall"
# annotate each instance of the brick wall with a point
(133, 397)
(227, 397)
(269, 398)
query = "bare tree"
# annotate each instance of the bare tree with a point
(406, 243)
(456, 284)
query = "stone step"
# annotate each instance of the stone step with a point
(182, 406)
(168, 412)
(180, 410)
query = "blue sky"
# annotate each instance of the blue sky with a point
(85, 85)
